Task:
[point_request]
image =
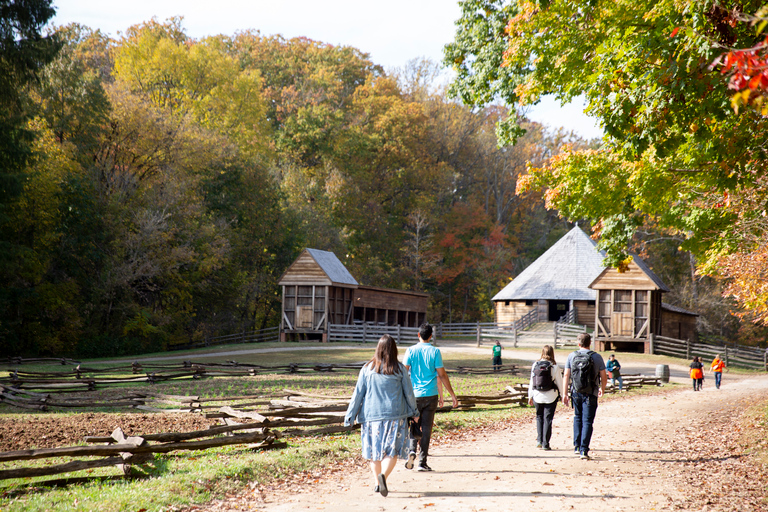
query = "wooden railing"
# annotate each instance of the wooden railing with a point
(733, 355)
(530, 318)
(371, 333)
(259, 336)
(568, 318)
(567, 334)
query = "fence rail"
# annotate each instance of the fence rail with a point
(567, 334)
(260, 336)
(737, 355)
(366, 332)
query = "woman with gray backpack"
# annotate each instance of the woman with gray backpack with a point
(544, 390)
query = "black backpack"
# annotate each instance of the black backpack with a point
(542, 376)
(583, 372)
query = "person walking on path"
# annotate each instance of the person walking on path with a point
(382, 402)
(425, 362)
(614, 368)
(544, 390)
(497, 357)
(718, 365)
(697, 373)
(585, 381)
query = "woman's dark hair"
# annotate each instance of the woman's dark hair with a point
(385, 358)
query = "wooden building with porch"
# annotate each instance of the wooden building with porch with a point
(557, 282)
(318, 291)
(623, 308)
(630, 309)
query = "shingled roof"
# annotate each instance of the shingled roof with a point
(332, 266)
(564, 272)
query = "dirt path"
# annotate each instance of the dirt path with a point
(640, 463)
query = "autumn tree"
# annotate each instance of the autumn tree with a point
(675, 152)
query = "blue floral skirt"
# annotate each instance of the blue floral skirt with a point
(386, 438)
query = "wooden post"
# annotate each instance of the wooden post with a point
(365, 331)
(726, 356)
(652, 340)
(399, 340)
(478, 334)
(554, 342)
(514, 338)
(765, 359)
(687, 349)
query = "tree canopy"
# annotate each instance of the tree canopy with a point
(676, 154)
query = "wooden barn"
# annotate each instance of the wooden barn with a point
(555, 283)
(623, 308)
(318, 290)
(630, 309)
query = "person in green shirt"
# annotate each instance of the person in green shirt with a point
(497, 357)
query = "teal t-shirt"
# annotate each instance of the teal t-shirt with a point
(424, 360)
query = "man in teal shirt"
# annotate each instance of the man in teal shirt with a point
(428, 376)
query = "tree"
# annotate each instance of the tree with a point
(675, 153)
(24, 50)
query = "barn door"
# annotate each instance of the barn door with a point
(623, 324)
(304, 317)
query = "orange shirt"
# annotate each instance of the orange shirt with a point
(717, 365)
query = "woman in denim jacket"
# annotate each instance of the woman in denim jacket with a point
(382, 402)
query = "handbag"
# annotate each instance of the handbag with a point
(414, 427)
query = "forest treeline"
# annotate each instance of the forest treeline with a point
(156, 186)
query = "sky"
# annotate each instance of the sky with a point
(392, 32)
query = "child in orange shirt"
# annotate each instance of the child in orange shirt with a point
(717, 367)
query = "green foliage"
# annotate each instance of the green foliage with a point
(676, 154)
(168, 182)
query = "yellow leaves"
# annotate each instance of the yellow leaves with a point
(624, 265)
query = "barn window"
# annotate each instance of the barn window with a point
(506, 303)
(590, 303)
(529, 303)
(622, 301)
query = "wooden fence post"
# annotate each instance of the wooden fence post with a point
(554, 342)
(514, 336)
(687, 349)
(726, 356)
(365, 331)
(652, 342)
(398, 334)
(478, 334)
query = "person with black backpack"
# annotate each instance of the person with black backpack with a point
(544, 390)
(585, 378)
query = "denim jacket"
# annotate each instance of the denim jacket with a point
(380, 397)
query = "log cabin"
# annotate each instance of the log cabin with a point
(318, 291)
(555, 283)
(623, 308)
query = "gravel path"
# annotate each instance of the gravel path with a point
(636, 463)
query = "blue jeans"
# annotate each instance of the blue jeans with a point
(718, 378)
(584, 410)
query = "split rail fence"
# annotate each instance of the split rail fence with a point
(260, 422)
(734, 355)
